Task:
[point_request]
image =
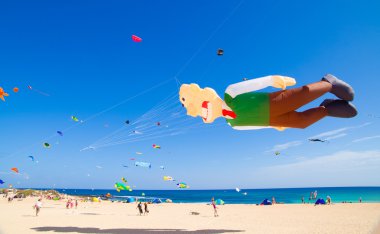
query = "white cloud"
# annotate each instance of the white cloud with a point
(285, 146)
(335, 136)
(344, 168)
(366, 138)
(337, 133)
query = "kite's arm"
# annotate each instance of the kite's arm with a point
(259, 83)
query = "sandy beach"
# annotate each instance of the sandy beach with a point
(107, 217)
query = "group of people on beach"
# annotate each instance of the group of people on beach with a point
(70, 203)
(140, 208)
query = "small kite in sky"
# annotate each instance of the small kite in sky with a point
(3, 94)
(124, 180)
(31, 157)
(317, 140)
(46, 145)
(139, 153)
(277, 153)
(127, 121)
(60, 133)
(183, 185)
(2, 182)
(74, 118)
(38, 91)
(156, 146)
(220, 52)
(15, 89)
(14, 169)
(168, 178)
(125, 166)
(136, 38)
(143, 164)
(162, 167)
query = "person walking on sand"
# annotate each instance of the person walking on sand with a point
(139, 206)
(146, 211)
(76, 203)
(273, 200)
(215, 208)
(38, 206)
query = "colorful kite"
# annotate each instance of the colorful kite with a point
(74, 118)
(183, 185)
(14, 169)
(136, 38)
(15, 89)
(124, 180)
(245, 109)
(168, 178)
(143, 164)
(3, 94)
(121, 186)
(220, 52)
(156, 146)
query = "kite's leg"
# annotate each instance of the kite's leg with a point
(285, 101)
(296, 119)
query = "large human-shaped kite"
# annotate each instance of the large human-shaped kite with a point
(245, 109)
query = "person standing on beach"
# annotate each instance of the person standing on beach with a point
(303, 200)
(146, 211)
(315, 194)
(328, 198)
(215, 208)
(139, 206)
(38, 206)
(76, 203)
(273, 200)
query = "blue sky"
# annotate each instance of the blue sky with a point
(82, 55)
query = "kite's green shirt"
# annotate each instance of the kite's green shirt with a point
(251, 109)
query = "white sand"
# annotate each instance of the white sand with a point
(106, 217)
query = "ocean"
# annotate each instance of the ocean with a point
(253, 196)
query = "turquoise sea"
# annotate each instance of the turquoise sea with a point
(254, 196)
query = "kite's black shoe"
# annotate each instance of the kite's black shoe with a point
(340, 88)
(339, 108)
